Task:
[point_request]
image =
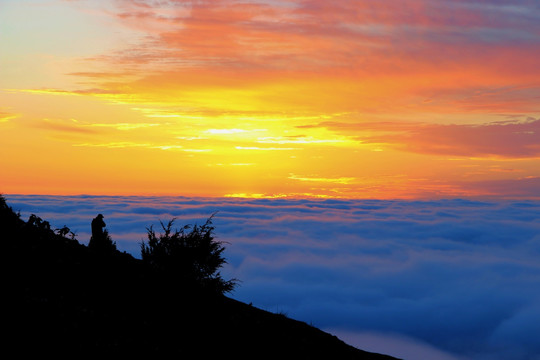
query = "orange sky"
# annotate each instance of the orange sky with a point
(357, 99)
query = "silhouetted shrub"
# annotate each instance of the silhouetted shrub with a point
(7, 217)
(39, 223)
(192, 257)
(103, 243)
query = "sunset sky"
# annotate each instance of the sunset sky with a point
(271, 98)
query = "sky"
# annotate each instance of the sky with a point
(450, 279)
(371, 99)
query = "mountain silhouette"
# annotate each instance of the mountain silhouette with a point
(65, 299)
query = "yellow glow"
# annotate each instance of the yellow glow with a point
(237, 107)
(341, 180)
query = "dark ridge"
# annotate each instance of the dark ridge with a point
(64, 299)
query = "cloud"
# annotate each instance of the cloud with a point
(519, 331)
(75, 126)
(198, 55)
(341, 180)
(68, 126)
(398, 346)
(6, 116)
(439, 49)
(456, 279)
(525, 187)
(510, 139)
(305, 32)
(96, 92)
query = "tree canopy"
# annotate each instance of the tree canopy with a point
(189, 254)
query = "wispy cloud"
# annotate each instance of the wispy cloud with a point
(258, 148)
(527, 187)
(76, 126)
(125, 126)
(336, 180)
(68, 126)
(6, 116)
(96, 92)
(430, 49)
(512, 139)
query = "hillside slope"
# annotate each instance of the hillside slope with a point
(64, 299)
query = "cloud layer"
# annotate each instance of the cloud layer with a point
(453, 278)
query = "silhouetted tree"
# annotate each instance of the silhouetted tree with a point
(63, 231)
(7, 215)
(193, 257)
(39, 223)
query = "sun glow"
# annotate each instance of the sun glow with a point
(160, 98)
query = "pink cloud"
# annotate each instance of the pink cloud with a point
(526, 187)
(450, 47)
(224, 28)
(510, 139)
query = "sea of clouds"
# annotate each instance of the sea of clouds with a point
(441, 280)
